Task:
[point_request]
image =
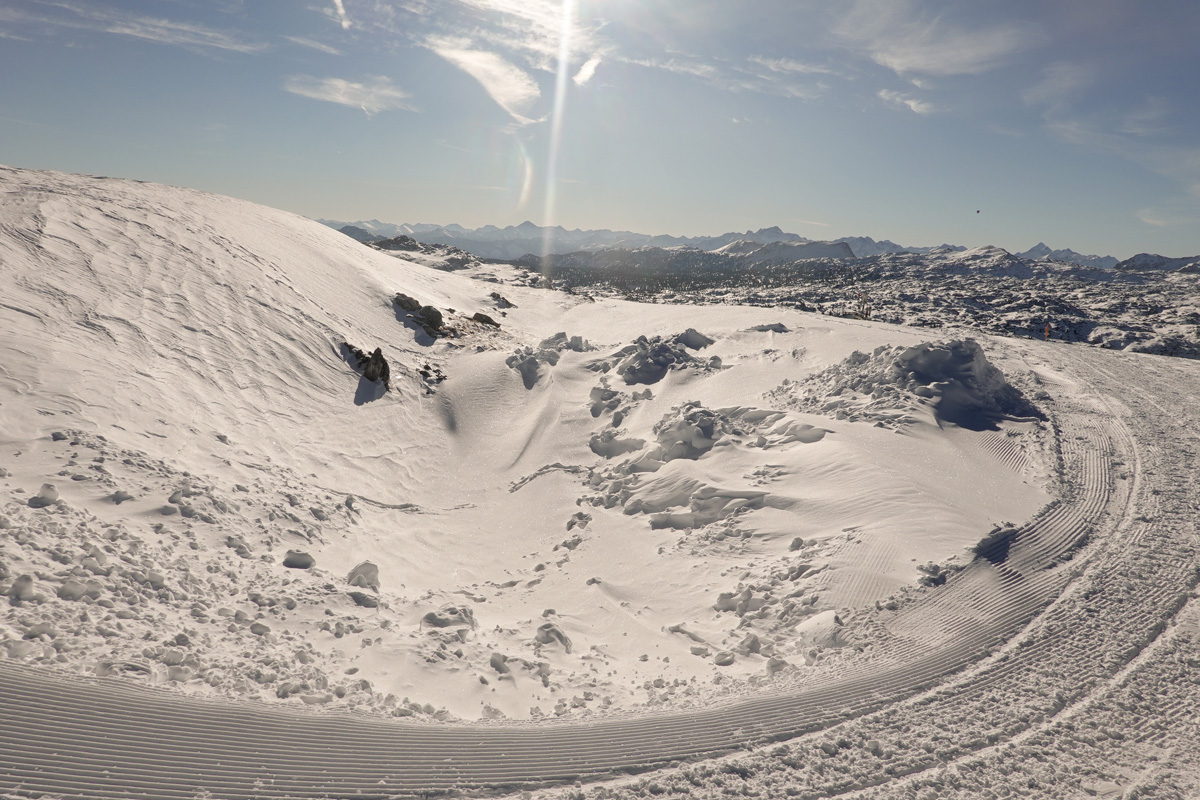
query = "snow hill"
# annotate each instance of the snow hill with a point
(345, 498)
(179, 367)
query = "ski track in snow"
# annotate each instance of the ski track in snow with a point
(1064, 661)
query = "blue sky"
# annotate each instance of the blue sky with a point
(1076, 122)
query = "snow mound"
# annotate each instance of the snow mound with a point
(527, 361)
(648, 360)
(889, 387)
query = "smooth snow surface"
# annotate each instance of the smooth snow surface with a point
(657, 523)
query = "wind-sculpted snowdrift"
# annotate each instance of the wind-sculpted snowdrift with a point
(890, 385)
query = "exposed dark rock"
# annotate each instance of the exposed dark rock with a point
(406, 303)
(374, 366)
(693, 339)
(431, 374)
(358, 234)
(296, 559)
(430, 316)
(238, 545)
(427, 317)
(449, 615)
(480, 317)
(364, 600)
(46, 496)
(548, 632)
(377, 368)
(397, 243)
(365, 575)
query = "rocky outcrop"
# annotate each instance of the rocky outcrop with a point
(428, 318)
(397, 243)
(358, 234)
(374, 367)
(406, 303)
(365, 575)
(297, 559)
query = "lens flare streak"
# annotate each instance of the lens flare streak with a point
(556, 122)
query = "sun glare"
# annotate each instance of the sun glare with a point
(562, 79)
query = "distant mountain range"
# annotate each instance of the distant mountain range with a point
(514, 241)
(765, 245)
(1041, 252)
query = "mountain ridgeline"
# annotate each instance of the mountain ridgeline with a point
(516, 241)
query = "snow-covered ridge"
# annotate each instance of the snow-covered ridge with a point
(1042, 252)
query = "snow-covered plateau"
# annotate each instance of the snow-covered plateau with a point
(283, 515)
(1147, 304)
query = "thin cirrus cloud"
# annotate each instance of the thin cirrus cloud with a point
(373, 95)
(900, 36)
(1060, 81)
(304, 41)
(74, 16)
(508, 85)
(901, 100)
(779, 77)
(790, 66)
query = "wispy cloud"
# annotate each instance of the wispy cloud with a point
(1061, 81)
(373, 95)
(1179, 212)
(528, 28)
(1153, 217)
(14, 37)
(895, 34)
(154, 29)
(750, 75)
(901, 100)
(586, 72)
(790, 66)
(1148, 120)
(304, 41)
(339, 9)
(510, 86)
(1137, 135)
(680, 65)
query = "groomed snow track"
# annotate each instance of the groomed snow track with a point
(106, 738)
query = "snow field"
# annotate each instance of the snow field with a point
(655, 527)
